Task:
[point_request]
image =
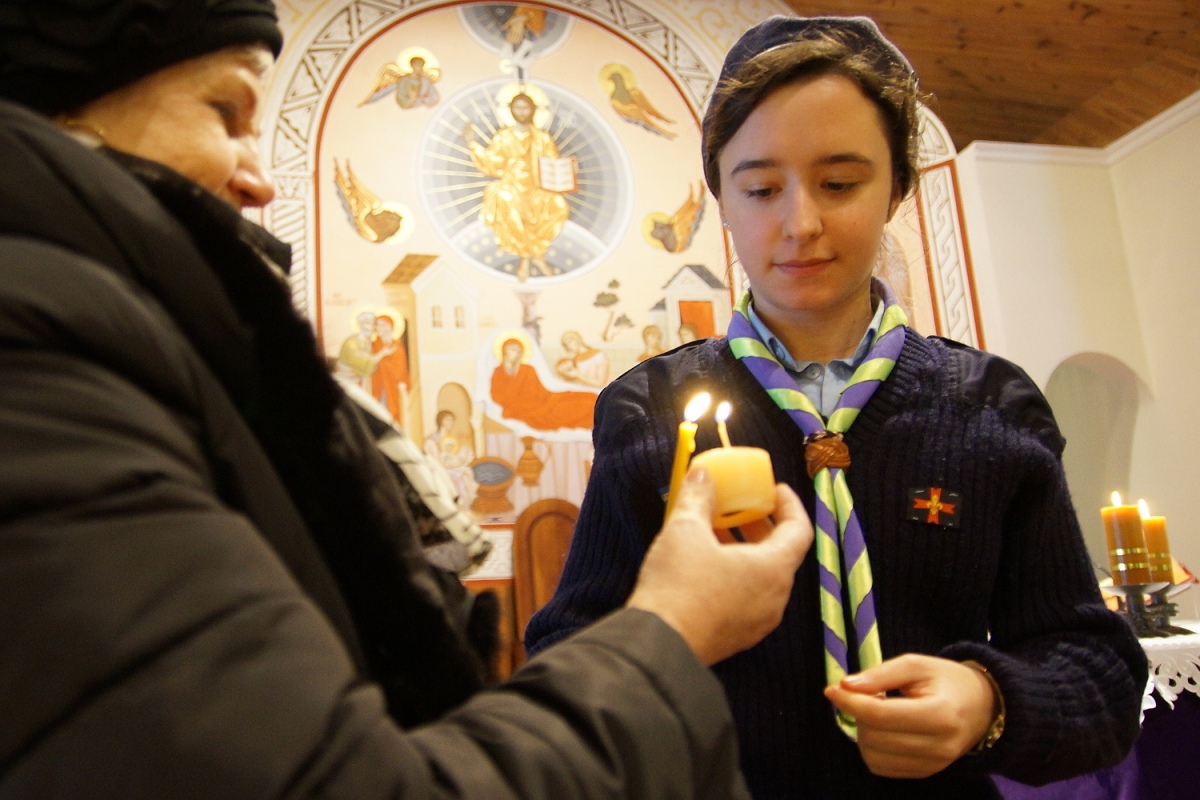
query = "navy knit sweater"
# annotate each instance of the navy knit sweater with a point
(1011, 586)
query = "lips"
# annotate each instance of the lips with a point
(803, 264)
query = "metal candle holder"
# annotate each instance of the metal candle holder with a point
(1162, 609)
(1148, 620)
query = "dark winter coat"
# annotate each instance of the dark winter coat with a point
(210, 586)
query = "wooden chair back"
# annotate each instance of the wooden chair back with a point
(541, 538)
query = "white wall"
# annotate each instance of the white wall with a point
(1091, 256)
(1158, 199)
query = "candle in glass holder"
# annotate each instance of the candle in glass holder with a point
(685, 445)
(743, 477)
(1158, 551)
(1126, 543)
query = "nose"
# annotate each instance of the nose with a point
(801, 215)
(250, 185)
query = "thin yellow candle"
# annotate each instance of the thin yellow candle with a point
(722, 414)
(685, 444)
(1126, 543)
(1157, 548)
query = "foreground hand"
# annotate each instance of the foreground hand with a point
(946, 708)
(721, 598)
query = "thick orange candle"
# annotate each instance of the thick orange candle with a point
(685, 445)
(745, 484)
(1158, 551)
(1126, 543)
(744, 479)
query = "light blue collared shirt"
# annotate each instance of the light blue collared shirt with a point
(821, 383)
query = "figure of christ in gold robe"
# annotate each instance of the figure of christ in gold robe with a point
(524, 216)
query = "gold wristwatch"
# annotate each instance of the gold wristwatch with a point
(996, 729)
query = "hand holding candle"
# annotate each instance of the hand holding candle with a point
(743, 476)
(1126, 543)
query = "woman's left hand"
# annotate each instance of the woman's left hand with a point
(944, 710)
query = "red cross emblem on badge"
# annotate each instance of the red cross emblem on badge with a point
(935, 506)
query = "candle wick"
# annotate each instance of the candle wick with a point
(723, 433)
(722, 414)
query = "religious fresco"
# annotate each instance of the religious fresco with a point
(508, 197)
(498, 208)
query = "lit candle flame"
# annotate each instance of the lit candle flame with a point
(1116, 498)
(1143, 508)
(722, 414)
(697, 406)
(685, 445)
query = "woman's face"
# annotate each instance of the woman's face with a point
(806, 186)
(199, 117)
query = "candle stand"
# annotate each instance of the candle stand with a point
(1147, 621)
(1161, 609)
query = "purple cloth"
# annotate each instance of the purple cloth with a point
(1163, 764)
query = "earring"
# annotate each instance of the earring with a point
(725, 223)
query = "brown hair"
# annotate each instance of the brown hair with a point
(890, 84)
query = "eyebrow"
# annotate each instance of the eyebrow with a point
(768, 163)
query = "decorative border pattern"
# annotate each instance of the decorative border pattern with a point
(951, 280)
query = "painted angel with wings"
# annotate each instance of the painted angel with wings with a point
(674, 233)
(374, 220)
(630, 102)
(412, 85)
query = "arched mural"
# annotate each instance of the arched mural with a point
(470, 174)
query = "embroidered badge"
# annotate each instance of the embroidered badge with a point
(935, 506)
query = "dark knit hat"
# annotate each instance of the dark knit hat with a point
(56, 55)
(748, 74)
(861, 32)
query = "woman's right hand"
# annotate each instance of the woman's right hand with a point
(721, 598)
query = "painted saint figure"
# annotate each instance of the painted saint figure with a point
(416, 88)
(522, 396)
(390, 380)
(652, 336)
(357, 358)
(583, 363)
(524, 216)
(453, 453)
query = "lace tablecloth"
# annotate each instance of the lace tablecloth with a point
(1174, 666)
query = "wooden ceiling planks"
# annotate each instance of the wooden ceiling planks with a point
(1044, 71)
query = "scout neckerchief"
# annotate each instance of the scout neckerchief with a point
(841, 549)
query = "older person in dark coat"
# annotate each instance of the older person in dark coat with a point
(211, 581)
